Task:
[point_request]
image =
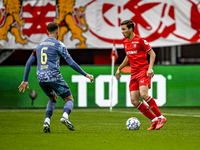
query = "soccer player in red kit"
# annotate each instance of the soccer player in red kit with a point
(136, 49)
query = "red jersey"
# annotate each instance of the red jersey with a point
(136, 50)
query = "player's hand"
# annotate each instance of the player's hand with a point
(150, 73)
(90, 77)
(117, 74)
(23, 86)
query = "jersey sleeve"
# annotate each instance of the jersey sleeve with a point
(65, 54)
(63, 51)
(145, 45)
(31, 59)
(75, 66)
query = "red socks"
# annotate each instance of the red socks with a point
(145, 110)
(152, 104)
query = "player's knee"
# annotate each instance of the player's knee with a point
(54, 98)
(135, 102)
(68, 98)
(144, 96)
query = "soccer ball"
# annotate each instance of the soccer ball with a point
(133, 123)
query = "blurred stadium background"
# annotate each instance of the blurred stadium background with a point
(177, 64)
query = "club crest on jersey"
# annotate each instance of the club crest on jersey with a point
(134, 46)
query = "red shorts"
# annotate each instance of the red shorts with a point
(139, 80)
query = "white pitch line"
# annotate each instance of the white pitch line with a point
(181, 115)
(167, 114)
(131, 112)
(96, 110)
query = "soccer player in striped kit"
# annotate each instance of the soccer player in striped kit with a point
(136, 49)
(49, 76)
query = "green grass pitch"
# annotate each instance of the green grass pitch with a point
(98, 129)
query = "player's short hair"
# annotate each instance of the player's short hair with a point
(129, 24)
(51, 27)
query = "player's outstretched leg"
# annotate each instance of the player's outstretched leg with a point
(67, 110)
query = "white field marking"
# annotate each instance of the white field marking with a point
(132, 112)
(181, 115)
(22, 110)
(56, 110)
(95, 110)
(167, 114)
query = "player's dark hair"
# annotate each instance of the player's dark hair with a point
(129, 24)
(51, 27)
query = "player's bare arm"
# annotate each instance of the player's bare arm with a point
(123, 64)
(90, 77)
(23, 86)
(152, 58)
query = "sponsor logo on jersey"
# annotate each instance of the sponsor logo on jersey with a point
(131, 52)
(135, 42)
